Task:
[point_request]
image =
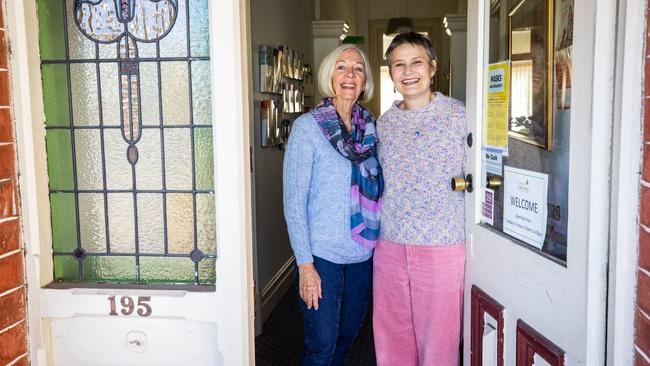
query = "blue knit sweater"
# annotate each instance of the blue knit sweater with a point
(316, 180)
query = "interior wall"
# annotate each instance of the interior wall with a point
(340, 10)
(274, 23)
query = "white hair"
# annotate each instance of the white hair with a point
(328, 65)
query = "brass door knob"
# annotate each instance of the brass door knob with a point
(493, 182)
(462, 184)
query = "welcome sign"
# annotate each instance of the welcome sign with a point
(524, 206)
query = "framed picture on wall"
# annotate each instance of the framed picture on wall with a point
(531, 54)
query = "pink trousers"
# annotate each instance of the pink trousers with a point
(417, 303)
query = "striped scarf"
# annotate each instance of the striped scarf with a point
(367, 183)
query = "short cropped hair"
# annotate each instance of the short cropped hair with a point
(415, 39)
(328, 65)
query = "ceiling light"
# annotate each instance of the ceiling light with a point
(399, 25)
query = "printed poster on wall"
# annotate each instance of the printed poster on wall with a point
(524, 206)
(496, 106)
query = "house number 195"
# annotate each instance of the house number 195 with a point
(128, 305)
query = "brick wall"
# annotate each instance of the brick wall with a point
(13, 323)
(642, 321)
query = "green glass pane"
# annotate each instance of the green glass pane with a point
(201, 93)
(55, 94)
(166, 270)
(207, 271)
(199, 31)
(64, 222)
(66, 268)
(50, 24)
(205, 223)
(204, 166)
(59, 159)
(109, 269)
(180, 223)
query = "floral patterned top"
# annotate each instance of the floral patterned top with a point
(421, 151)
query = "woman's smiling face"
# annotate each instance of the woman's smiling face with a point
(349, 77)
(411, 70)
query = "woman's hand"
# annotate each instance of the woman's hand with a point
(309, 285)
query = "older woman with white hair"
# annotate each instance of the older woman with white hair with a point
(332, 186)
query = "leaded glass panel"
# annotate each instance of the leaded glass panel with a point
(127, 102)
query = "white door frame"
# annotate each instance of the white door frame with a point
(627, 151)
(230, 60)
(594, 105)
(230, 31)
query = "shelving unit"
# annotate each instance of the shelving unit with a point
(285, 82)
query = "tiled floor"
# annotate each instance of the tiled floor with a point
(280, 344)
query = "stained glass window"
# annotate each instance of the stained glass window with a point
(127, 98)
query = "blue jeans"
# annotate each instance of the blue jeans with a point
(330, 330)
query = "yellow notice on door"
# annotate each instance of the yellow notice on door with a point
(496, 106)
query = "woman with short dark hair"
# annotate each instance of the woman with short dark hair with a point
(420, 256)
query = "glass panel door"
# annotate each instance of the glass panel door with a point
(127, 95)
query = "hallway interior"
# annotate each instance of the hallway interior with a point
(280, 343)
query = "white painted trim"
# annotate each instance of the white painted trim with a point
(627, 151)
(229, 45)
(277, 287)
(329, 28)
(27, 100)
(602, 111)
(476, 36)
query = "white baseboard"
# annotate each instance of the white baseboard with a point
(277, 287)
